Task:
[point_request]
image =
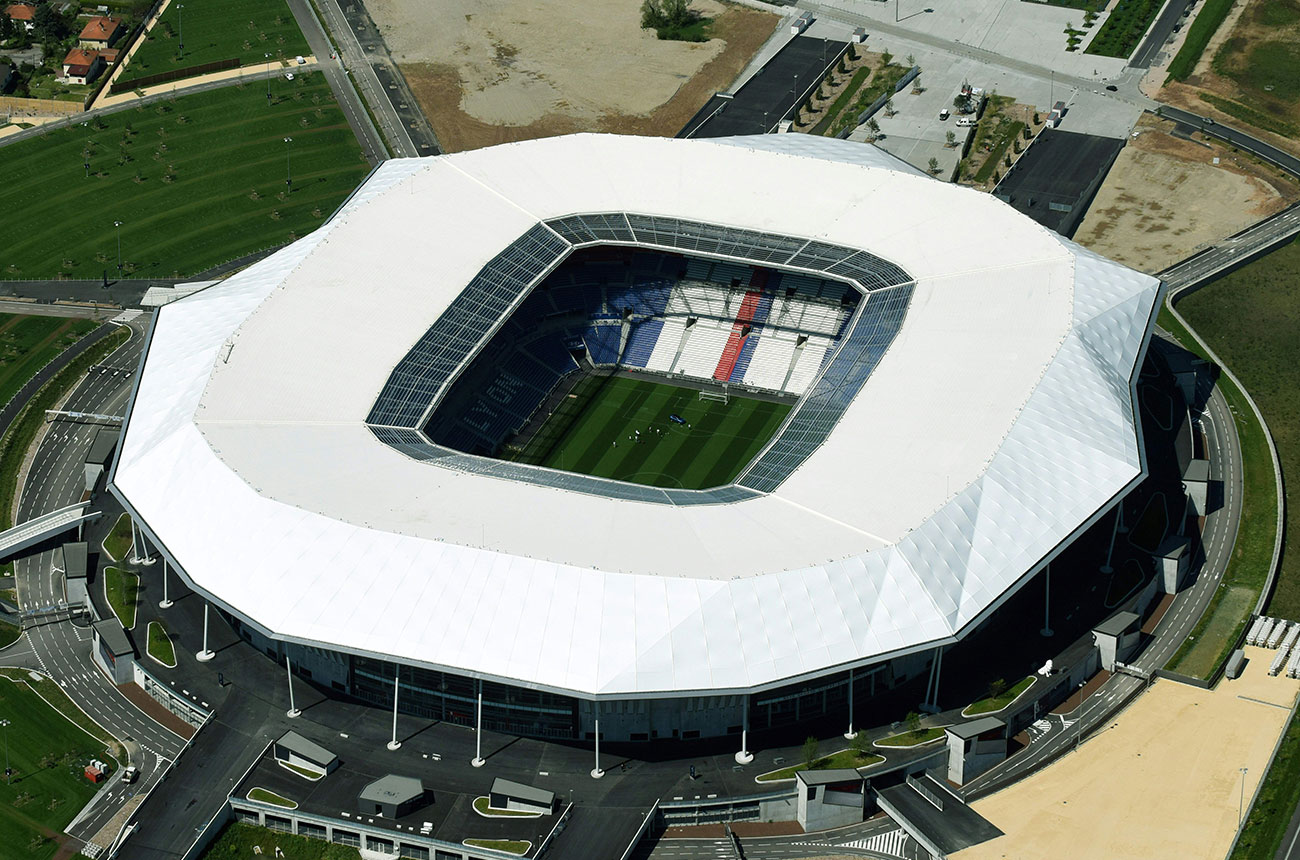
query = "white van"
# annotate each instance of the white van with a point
(967, 121)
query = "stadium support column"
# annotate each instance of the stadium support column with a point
(931, 703)
(136, 557)
(1047, 603)
(744, 756)
(166, 602)
(205, 655)
(850, 734)
(596, 772)
(478, 761)
(395, 744)
(1110, 551)
(288, 668)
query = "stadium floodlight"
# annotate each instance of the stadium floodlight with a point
(8, 771)
(180, 26)
(118, 225)
(288, 175)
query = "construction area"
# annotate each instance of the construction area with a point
(1168, 780)
(584, 66)
(1168, 195)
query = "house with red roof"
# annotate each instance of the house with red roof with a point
(101, 32)
(81, 66)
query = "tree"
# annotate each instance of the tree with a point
(1036, 119)
(860, 745)
(997, 687)
(48, 24)
(873, 127)
(6, 28)
(962, 103)
(809, 752)
(951, 139)
(889, 107)
(886, 58)
(913, 719)
(934, 165)
(911, 61)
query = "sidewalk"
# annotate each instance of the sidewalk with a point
(258, 71)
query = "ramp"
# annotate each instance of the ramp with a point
(41, 528)
(934, 816)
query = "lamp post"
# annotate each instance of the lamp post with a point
(288, 176)
(268, 79)
(180, 25)
(118, 225)
(1240, 802)
(5, 725)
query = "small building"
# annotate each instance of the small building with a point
(798, 25)
(1196, 480)
(72, 559)
(391, 796)
(81, 66)
(100, 32)
(23, 14)
(292, 748)
(1116, 638)
(975, 747)
(1174, 560)
(830, 798)
(507, 794)
(100, 455)
(860, 35)
(111, 649)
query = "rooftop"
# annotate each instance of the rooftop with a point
(996, 424)
(393, 789)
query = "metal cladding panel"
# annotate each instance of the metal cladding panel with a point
(665, 611)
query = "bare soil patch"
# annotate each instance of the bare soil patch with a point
(1165, 198)
(491, 71)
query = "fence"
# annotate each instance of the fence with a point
(16, 106)
(173, 75)
(880, 102)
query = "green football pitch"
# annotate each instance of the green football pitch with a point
(595, 433)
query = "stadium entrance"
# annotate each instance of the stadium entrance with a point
(648, 367)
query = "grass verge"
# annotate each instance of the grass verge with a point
(53, 694)
(118, 542)
(160, 645)
(195, 181)
(29, 343)
(264, 795)
(9, 633)
(122, 589)
(993, 704)
(1277, 799)
(911, 739)
(842, 759)
(884, 81)
(1128, 22)
(303, 772)
(1211, 641)
(1007, 133)
(483, 806)
(22, 432)
(512, 846)
(842, 100)
(1208, 20)
(237, 840)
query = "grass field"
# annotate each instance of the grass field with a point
(1250, 318)
(48, 755)
(842, 759)
(29, 343)
(160, 644)
(1278, 796)
(196, 181)
(590, 435)
(993, 704)
(237, 840)
(246, 30)
(912, 739)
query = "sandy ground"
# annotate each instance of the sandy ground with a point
(490, 71)
(1162, 783)
(1165, 198)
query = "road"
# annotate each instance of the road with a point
(1240, 139)
(362, 52)
(1202, 268)
(62, 650)
(1159, 34)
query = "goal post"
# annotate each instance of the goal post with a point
(720, 395)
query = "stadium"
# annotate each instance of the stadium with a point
(684, 437)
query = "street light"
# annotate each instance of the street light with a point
(180, 23)
(1241, 801)
(268, 80)
(118, 225)
(5, 725)
(288, 177)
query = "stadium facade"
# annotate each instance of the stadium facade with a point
(965, 413)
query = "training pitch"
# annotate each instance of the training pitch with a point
(594, 432)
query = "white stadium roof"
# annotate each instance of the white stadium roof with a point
(998, 424)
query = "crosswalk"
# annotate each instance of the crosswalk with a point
(890, 843)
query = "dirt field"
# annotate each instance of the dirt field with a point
(1164, 198)
(491, 71)
(1162, 783)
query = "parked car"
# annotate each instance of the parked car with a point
(943, 115)
(1112, 88)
